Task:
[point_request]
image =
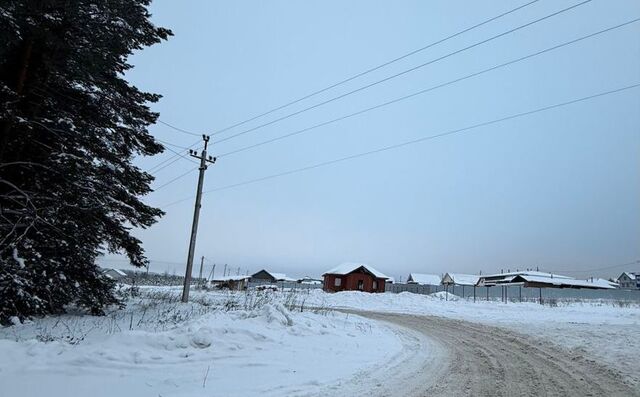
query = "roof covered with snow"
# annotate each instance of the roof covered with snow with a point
(347, 268)
(281, 277)
(564, 282)
(117, 271)
(424, 279)
(631, 275)
(523, 272)
(505, 278)
(275, 276)
(460, 279)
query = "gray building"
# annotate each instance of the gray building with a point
(629, 280)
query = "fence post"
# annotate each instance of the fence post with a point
(540, 295)
(520, 291)
(474, 294)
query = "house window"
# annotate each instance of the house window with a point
(375, 284)
(360, 285)
(338, 282)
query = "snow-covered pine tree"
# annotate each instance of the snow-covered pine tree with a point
(70, 125)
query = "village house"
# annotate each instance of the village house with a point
(267, 277)
(354, 277)
(424, 279)
(629, 280)
(114, 274)
(468, 280)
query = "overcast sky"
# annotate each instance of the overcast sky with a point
(558, 189)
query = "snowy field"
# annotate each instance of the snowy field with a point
(274, 344)
(220, 345)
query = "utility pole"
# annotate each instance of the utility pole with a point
(204, 159)
(201, 265)
(212, 274)
(224, 273)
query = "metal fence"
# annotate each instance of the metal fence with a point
(285, 285)
(521, 294)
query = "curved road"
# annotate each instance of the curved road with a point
(479, 360)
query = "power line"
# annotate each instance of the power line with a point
(175, 179)
(414, 141)
(636, 262)
(404, 72)
(127, 260)
(180, 154)
(170, 161)
(175, 157)
(427, 89)
(171, 144)
(179, 129)
(341, 82)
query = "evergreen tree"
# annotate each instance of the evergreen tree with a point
(70, 125)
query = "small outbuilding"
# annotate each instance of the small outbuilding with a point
(354, 277)
(238, 283)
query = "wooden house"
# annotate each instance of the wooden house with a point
(354, 277)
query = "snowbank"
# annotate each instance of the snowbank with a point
(266, 351)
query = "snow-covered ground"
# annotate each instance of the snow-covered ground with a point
(158, 347)
(275, 344)
(602, 330)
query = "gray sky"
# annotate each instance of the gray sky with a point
(558, 189)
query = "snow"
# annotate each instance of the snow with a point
(566, 282)
(281, 277)
(347, 268)
(526, 272)
(425, 279)
(603, 331)
(162, 347)
(261, 343)
(462, 279)
(18, 259)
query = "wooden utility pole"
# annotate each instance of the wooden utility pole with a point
(204, 159)
(201, 265)
(212, 274)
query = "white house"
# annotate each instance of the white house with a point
(629, 280)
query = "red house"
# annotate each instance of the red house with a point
(354, 277)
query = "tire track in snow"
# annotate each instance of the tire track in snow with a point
(481, 360)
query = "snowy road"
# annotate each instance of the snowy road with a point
(480, 360)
